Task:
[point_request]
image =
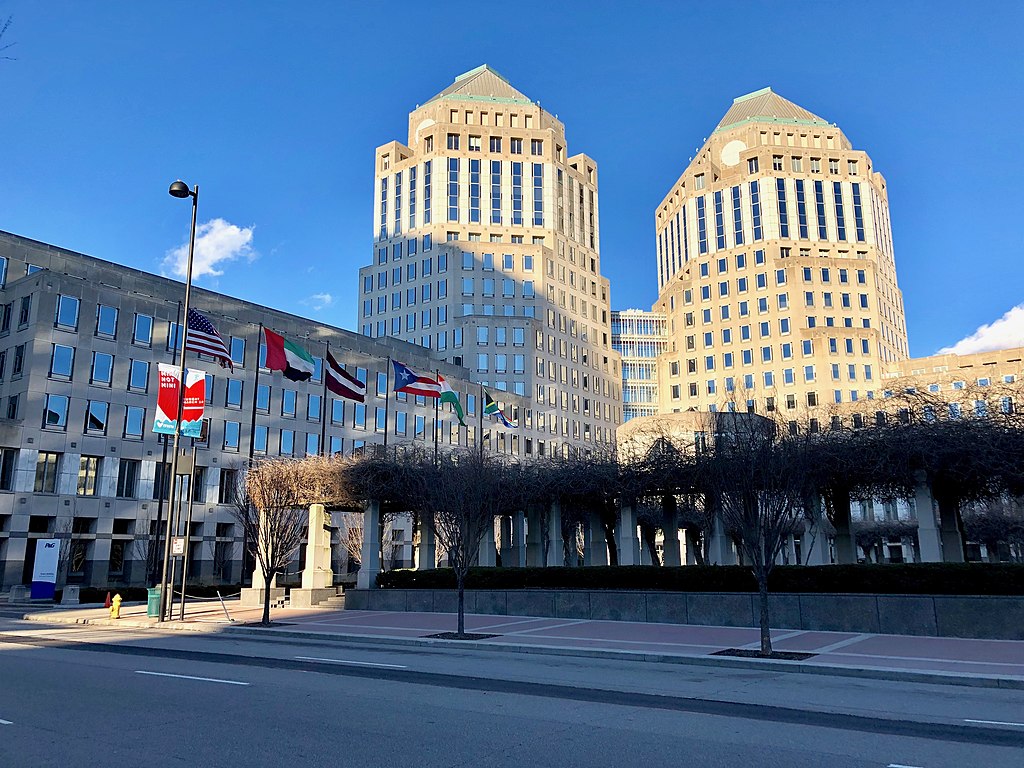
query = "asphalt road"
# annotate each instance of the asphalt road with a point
(74, 695)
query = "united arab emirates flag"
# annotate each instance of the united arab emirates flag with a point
(288, 357)
(448, 396)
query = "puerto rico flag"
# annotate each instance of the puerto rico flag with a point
(406, 380)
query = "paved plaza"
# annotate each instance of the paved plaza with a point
(936, 659)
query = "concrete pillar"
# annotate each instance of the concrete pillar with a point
(645, 554)
(595, 550)
(534, 541)
(625, 536)
(507, 557)
(518, 540)
(370, 561)
(486, 556)
(928, 539)
(721, 550)
(949, 532)
(845, 543)
(555, 554)
(427, 558)
(317, 574)
(692, 545)
(670, 528)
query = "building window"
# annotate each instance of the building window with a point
(232, 432)
(228, 486)
(752, 165)
(233, 397)
(106, 321)
(780, 187)
(55, 412)
(102, 369)
(138, 377)
(67, 313)
(96, 417)
(88, 472)
(47, 465)
(134, 421)
(62, 361)
(128, 478)
(288, 400)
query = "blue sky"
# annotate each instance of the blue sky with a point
(274, 109)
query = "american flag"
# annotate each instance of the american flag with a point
(203, 338)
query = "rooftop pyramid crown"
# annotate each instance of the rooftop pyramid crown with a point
(766, 106)
(482, 84)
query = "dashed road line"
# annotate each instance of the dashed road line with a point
(994, 722)
(190, 677)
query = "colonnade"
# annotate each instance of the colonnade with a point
(522, 540)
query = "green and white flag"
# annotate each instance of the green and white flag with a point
(448, 396)
(288, 357)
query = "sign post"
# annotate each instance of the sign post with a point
(44, 571)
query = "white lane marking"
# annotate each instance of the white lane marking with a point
(6, 722)
(900, 765)
(841, 644)
(354, 663)
(994, 722)
(190, 677)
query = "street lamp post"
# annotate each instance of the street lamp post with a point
(180, 190)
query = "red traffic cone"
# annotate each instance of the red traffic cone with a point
(106, 603)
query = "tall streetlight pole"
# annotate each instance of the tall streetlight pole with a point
(180, 190)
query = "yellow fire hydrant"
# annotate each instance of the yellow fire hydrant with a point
(115, 607)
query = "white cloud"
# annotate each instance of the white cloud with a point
(318, 301)
(217, 242)
(1004, 333)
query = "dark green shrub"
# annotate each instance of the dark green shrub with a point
(908, 579)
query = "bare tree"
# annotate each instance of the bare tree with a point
(4, 26)
(271, 506)
(757, 475)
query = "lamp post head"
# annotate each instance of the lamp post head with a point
(179, 189)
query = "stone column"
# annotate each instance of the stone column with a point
(928, 539)
(670, 528)
(370, 561)
(534, 540)
(507, 557)
(845, 543)
(555, 554)
(317, 574)
(626, 536)
(595, 551)
(952, 541)
(721, 550)
(692, 545)
(519, 540)
(428, 547)
(486, 551)
(814, 544)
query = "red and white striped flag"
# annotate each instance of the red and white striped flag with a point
(203, 339)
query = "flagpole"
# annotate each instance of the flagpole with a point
(437, 401)
(323, 402)
(163, 490)
(255, 393)
(387, 401)
(480, 408)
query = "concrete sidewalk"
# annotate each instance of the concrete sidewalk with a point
(988, 663)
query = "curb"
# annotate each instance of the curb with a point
(801, 667)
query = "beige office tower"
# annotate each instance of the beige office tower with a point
(776, 268)
(487, 251)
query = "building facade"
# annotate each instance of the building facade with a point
(776, 268)
(639, 338)
(80, 341)
(487, 251)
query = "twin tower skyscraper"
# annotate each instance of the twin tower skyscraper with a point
(776, 275)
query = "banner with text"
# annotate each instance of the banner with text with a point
(167, 401)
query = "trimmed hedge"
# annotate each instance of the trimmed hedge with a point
(897, 579)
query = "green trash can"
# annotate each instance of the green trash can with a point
(153, 602)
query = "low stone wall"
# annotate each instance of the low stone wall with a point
(997, 618)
